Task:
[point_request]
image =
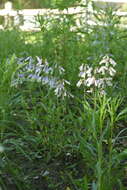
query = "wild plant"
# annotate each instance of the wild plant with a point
(41, 71)
(99, 78)
(8, 68)
(100, 118)
(40, 122)
(98, 144)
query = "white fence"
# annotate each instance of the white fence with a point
(26, 18)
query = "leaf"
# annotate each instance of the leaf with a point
(85, 184)
(122, 155)
(124, 111)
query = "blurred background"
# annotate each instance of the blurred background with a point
(25, 4)
(28, 4)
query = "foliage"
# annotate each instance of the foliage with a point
(21, 4)
(49, 140)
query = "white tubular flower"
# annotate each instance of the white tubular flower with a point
(52, 82)
(79, 83)
(90, 91)
(47, 69)
(112, 71)
(102, 92)
(102, 70)
(27, 59)
(38, 70)
(107, 60)
(57, 92)
(85, 71)
(90, 81)
(89, 72)
(60, 90)
(104, 60)
(100, 83)
(29, 67)
(81, 68)
(46, 63)
(35, 77)
(61, 70)
(82, 74)
(45, 80)
(112, 62)
(67, 82)
(39, 60)
(20, 61)
(96, 71)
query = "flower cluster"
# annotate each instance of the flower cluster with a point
(98, 78)
(37, 70)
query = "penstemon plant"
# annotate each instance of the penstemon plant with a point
(99, 78)
(37, 70)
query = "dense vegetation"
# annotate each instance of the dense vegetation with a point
(63, 105)
(19, 4)
(23, 4)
